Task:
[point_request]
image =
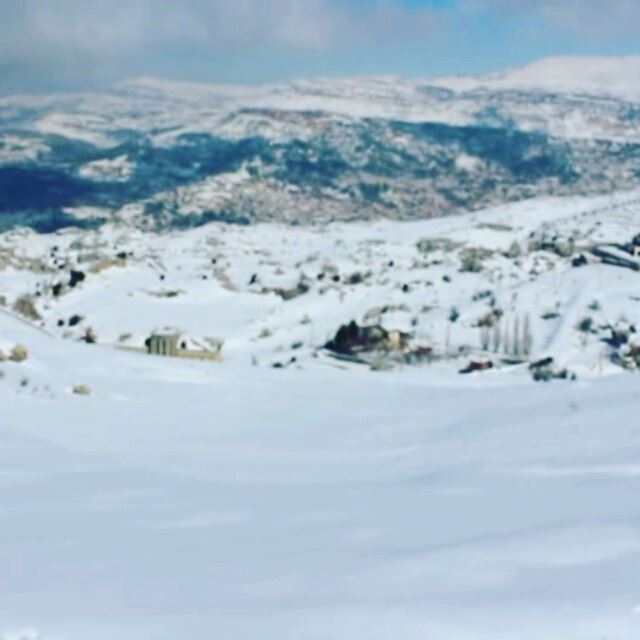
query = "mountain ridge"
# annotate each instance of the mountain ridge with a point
(617, 76)
(155, 153)
(613, 76)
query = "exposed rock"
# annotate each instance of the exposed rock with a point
(544, 363)
(544, 370)
(549, 374)
(289, 294)
(377, 312)
(472, 259)
(419, 355)
(107, 263)
(75, 320)
(628, 359)
(19, 353)
(621, 334)
(82, 390)
(76, 277)
(562, 248)
(430, 245)
(355, 278)
(514, 251)
(477, 365)
(284, 365)
(579, 261)
(26, 307)
(89, 336)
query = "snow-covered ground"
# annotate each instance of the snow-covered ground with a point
(201, 500)
(595, 75)
(321, 501)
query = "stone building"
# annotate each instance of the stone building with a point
(163, 344)
(174, 344)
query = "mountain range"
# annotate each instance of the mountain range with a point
(159, 154)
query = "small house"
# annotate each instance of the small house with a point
(177, 345)
(163, 344)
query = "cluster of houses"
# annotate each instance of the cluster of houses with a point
(352, 340)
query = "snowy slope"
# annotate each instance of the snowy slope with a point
(612, 76)
(223, 281)
(195, 500)
(549, 95)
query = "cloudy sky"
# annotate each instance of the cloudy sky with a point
(72, 44)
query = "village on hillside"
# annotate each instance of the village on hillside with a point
(548, 287)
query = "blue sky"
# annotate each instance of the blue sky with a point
(70, 44)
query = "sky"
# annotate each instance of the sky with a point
(50, 45)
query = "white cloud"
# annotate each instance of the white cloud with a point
(50, 43)
(44, 42)
(30, 28)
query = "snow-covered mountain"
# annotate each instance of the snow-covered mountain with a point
(159, 153)
(617, 77)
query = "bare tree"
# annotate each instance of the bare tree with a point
(496, 337)
(485, 337)
(506, 338)
(527, 336)
(516, 337)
